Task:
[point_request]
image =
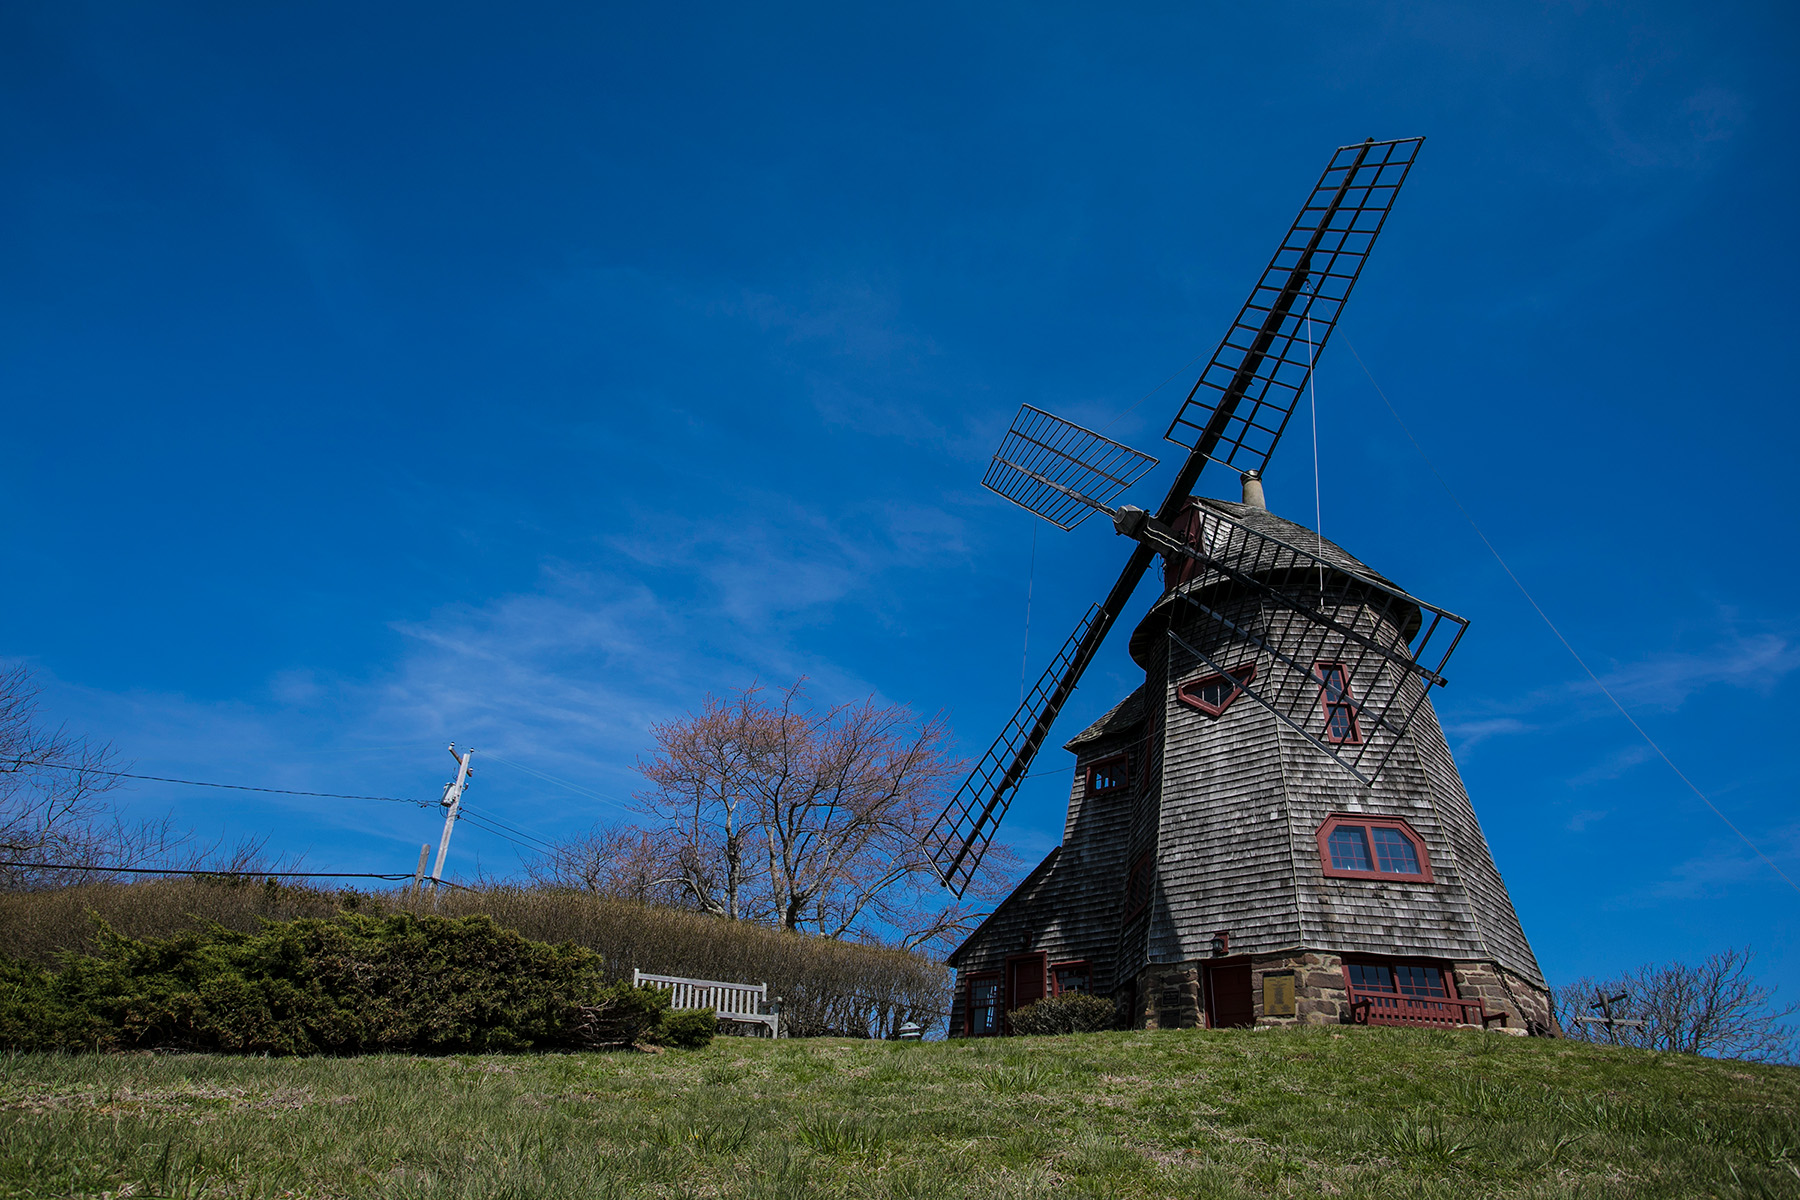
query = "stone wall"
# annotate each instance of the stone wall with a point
(1172, 995)
(1167, 996)
(1526, 1004)
(1319, 994)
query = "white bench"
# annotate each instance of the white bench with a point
(729, 1001)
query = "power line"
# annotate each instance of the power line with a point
(490, 824)
(270, 874)
(573, 787)
(239, 787)
(1581, 662)
(495, 825)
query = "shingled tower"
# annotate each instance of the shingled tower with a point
(1217, 868)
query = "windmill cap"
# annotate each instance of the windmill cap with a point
(1260, 520)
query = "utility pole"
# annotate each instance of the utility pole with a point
(452, 801)
(418, 884)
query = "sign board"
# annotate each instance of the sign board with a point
(1278, 994)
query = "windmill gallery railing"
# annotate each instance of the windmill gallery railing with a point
(1347, 658)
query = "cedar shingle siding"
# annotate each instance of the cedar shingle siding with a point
(1228, 808)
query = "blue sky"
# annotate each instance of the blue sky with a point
(375, 376)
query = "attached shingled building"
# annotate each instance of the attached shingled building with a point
(1218, 869)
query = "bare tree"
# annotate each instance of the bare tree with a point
(55, 809)
(844, 801)
(699, 801)
(624, 862)
(52, 806)
(765, 807)
(1716, 1008)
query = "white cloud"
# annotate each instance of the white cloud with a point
(1754, 662)
(1726, 869)
(1612, 766)
(1472, 733)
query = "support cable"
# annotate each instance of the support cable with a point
(1030, 583)
(1581, 662)
(1183, 369)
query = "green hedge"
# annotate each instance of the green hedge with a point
(338, 985)
(827, 987)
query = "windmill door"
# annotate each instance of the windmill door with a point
(1230, 1005)
(1024, 980)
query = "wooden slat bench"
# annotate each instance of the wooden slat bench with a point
(729, 1001)
(1438, 1012)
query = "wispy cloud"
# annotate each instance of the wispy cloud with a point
(1612, 766)
(1756, 662)
(1469, 734)
(1726, 868)
(567, 677)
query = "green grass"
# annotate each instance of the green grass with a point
(1351, 1113)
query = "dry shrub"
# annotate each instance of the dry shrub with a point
(827, 987)
(1055, 1015)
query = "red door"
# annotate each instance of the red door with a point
(1228, 988)
(1024, 980)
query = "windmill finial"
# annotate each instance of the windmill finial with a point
(1253, 493)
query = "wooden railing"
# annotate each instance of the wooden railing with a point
(729, 1001)
(1438, 1012)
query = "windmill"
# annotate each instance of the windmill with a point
(1336, 662)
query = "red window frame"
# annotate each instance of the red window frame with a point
(1116, 768)
(1137, 885)
(999, 983)
(1336, 699)
(1369, 822)
(1239, 676)
(1079, 966)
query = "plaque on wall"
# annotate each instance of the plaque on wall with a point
(1278, 994)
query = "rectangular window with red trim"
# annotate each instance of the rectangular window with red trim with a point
(1072, 978)
(1109, 775)
(1418, 980)
(984, 1006)
(1339, 703)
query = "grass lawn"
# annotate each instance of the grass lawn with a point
(1352, 1112)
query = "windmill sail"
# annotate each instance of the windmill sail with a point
(1259, 371)
(1309, 277)
(1059, 470)
(963, 831)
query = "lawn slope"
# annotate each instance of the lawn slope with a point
(1351, 1112)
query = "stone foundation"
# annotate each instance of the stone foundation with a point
(1168, 996)
(1319, 995)
(1526, 1005)
(1172, 995)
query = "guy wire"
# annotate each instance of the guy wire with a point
(1581, 662)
